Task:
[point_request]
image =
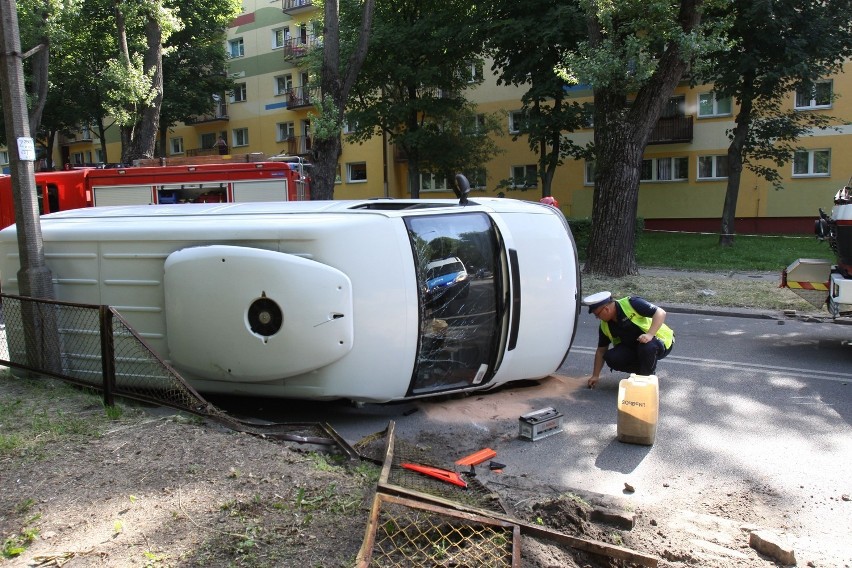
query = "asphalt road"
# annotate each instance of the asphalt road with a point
(748, 405)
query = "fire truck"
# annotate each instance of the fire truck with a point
(822, 282)
(273, 179)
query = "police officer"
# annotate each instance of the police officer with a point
(635, 328)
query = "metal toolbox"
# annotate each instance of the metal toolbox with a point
(539, 424)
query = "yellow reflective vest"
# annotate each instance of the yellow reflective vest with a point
(664, 334)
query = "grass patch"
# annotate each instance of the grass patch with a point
(693, 251)
(38, 412)
(750, 252)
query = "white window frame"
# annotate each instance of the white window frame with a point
(665, 163)
(176, 145)
(589, 172)
(285, 131)
(236, 48)
(473, 72)
(717, 105)
(478, 178)
(812, 102)
(280, 37)
(283, 84)
(812, 163)
(349, 127)
(524, 170)
(516, 117)
(718, 163)
(354, 168)
(239, 137)
(432, 182)
(239, 94)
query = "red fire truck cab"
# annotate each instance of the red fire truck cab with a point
(202, 183)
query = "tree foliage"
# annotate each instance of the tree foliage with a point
(527, 42)
(775, 47)
(195, 61)
(634, 55)
(110, 59)
(421, 58)
(338, 65)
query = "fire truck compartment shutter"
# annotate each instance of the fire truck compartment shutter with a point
(241, 314)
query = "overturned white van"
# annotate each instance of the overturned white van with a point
(322, 300)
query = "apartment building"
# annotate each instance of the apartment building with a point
(684, 175)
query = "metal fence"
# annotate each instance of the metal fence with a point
(93, 346)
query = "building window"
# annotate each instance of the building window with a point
(285, 131)
(236, 47)
(350, 126)
(337, 177)
(176, 145)
(99, 155)
(516, 121)
(709, 105)
(818, 96)
(4, 157)
(665, 169)
(431, 182)
(239, 93)
(240, 137)
(472, 72)
(589, 173)
(812, 163)
(283, 84)
(712, 167)
(78, 158)
(524, 176)
(280, 37)
(477, 178)
(356, 172)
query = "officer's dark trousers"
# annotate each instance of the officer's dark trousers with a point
(639, 358)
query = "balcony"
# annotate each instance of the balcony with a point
(68, 138)
(296, 145)
(296, 6)
(220, 113)
(298, 47)
(672, 130)
(300, 97)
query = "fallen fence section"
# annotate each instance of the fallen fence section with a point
(93, 346)
(417, 520)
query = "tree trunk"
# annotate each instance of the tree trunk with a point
(414, 177)
(325, 153)
(144, 139)
(40, 62)
(620, 139)
(735, 171)
(612, 237)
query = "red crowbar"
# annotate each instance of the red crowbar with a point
(477, 458)
(442, 474)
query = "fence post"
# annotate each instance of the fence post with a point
(107, 354)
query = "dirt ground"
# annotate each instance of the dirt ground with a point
(155, 489)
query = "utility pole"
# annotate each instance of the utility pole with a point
(34, 278)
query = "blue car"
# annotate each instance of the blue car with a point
(446, 281)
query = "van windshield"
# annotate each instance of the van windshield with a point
(461, 272)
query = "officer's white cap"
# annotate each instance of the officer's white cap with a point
(597, 300)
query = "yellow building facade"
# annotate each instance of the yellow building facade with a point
(683, 179)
